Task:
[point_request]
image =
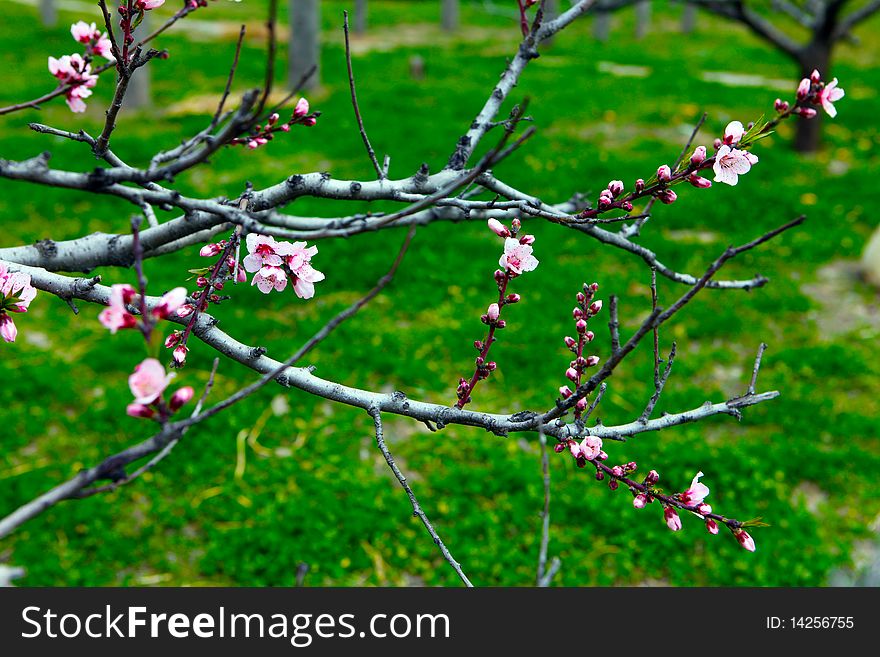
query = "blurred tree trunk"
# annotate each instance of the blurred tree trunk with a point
(551, 11)
(449, 16)
(688, 19)
(48, 13)
(305, 43)
(643, 18)
(601, 24)
(817, 55)
(360, 16)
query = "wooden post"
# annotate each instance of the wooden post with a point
(643, 18)
(601, 24)
(305, 43)
(138, 95)
(360, 16)
(688, 18)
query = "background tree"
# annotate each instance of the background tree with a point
(304, 52)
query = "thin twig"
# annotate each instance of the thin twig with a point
(614, 324)
(656, 329)
(216, 118)
(755, 369)
(545, 575)
(354, 102)
(659, 383)
(417, 509)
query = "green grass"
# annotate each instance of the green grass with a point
(315, 489)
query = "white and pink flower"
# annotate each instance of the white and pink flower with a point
(829, 95)
(269, 278)
(16, 294)
(697, 492)
(517, 257)
(730, 163)
(75, 72)
(116, 316)
(148, 381)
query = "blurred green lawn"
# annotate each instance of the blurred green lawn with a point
(310, 486)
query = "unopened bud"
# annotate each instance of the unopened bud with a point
(493, 312)
(672, 519)
(615, 187)
(652, 477)
(566, 392)
(803, 89)
(699, 181)
(498, 228)
(581, 404)
(527, 239)
(712, 526)
(513, 298)
(781, 105)
(180, 354)
(210, 250)
(640, 185)
(745, 540)
(806, 112)
(139, 410)
(570, 342)
(815, 76)
(571, 373)
(667, 196)
(664, 173)
(699, 155)
(581, 326)
(180, 397)
(612, 484)
(301, 109)
(595, 307)
(592, 361)
(639, 501)
(589, 335)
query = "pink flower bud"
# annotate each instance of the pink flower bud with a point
(639, 501)
(499, 276)
(599, 475)
(566, 392)
(781, 105)
(242, 276)
(667, 196)
(617, 471)
(803, 89)
(572, 374)
(711, 526)
(664, 173)
(210, 250)
(501, 323)
(493, 312)
(699, 155)
(559, 448)
(301, 109)
(273, 118)
(627, 206)
(652, 477)
(581, 404)
(745, 540)
(513, 298)
(139, 410)
(172, 339)
(615, 187)
(672, 519)
(612, 484)
(699, 181)
(717, 143)
(253, 144)
(704, 509)
(498, 228)
(309, 121)
(516, 224)
(815, 76)
(581, 297)
(577, 313)
(527, 239)
(604, 201)
(570, 342)
(201, 281)
(180, 354)
(574, 448)
(581, 326)
(589, 335)
(640, 185)
(592, 361)
(595, 307)
(806, 112)
(180, 397)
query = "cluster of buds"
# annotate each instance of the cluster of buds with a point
(16, 294)
(129, 20)
(588, 449)
(585, 309)
(813, 91)
(516, 259)
(263, 134)
(148, 383)
(611, 192)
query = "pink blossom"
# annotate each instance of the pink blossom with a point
(298, 257)
(170, 302)
(731, 163)
(104, 48)
(672, 519)
(116, 316)
(16, 291)
(301, 109)
(830, 94)
(148, 381)
(733, 133)
(261, 252)
(74, 71)
(8, 331)
(517, 258)
(589, 448)
(270, 277)
(745, 540)
(694, 495)
(84, 32)
(498, 228)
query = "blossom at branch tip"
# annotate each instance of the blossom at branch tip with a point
(730, 163)
(711, 526)
(148, 381)
(517, 257)
(828, 95)
(803, 89)
(91, 36)
(179, 354)
(73, 70)
(670, 515)
(697, 492)
(589, 448)
(301, 109)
